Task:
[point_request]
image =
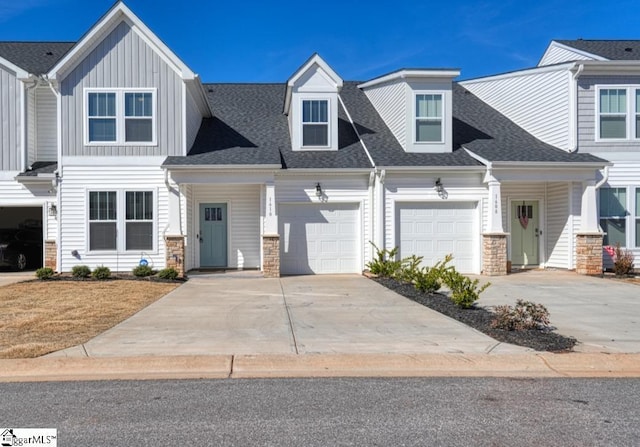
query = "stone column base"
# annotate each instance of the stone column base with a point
(271, 256)
(51, 255)
(494, 254)
(589, 253)
(175, 253)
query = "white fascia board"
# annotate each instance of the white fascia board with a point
(608, 67)
(19, 72)
(220, 168)
(112, 18)
(415, 74)
(555, 44)
(550, 165)
(324, 171)
(35, 179)
(143, 160)
(409, 169)
(525, 72)
(313, 60)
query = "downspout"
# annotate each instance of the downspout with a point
(573, 97)
(372, 205)
(605, 177)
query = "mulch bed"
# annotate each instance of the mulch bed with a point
(480, 319)
(114, 277)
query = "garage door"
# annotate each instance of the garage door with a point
(433, 230)
(24, 225)
(319, 238)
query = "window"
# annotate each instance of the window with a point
(139, 220)
(618, 116)
(120, 220)
(429, 118)
(102, 220)
(613, 215)
(315, 122)
(637, 217)
(120, 116)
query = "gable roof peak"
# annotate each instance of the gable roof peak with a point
(314, 61)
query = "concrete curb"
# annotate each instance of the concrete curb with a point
(533, 365)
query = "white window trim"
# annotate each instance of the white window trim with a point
(414, 112)
(121, 221)
(302, 123)
(120, 116)
(630, 113)
(628, 218)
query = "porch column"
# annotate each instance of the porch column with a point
(494, 240)
(589, 238)
(270, 236)
(173, 237)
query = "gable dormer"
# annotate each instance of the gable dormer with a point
(417, 107)
(311, 104)
(559, 52)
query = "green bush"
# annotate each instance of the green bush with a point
(101, 272)
(44, 273)
(525, 315)
(622, 261)
(385, 263)
(142, 270)
(409, 269)
(429, 279)
(464, 291)
(81, 271)
(168, 273)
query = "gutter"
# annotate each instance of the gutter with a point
(605, 177)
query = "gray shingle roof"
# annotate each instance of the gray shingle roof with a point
(622, 50)
(34, 57)
(40, 167)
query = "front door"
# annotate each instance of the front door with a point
(525, 232)
(213, 235)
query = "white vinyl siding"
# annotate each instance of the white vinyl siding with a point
(558, 225)
(194, 120)
(10, 121)
(243, 211)
(123, 60)
(389, 101)
(46, 128)
(31, 126)
(557, 55)
(537, 101)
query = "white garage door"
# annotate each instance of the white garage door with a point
(433, 230)
(319, 238)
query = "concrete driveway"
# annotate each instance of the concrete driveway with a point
(243, 313)
(603, 314)
(8, 277)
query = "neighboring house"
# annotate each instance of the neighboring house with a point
(290, 178)
(584, 97)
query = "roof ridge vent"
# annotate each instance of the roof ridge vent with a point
(628, 49)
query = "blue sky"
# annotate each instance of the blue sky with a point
(266, 41)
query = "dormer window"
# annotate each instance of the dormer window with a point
(315, 123)
(428, 118)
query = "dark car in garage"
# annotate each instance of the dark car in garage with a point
(20, 249)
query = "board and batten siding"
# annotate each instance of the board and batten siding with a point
(123, 60)
(243, 211)
(338, 189)
(536, 101)
(558, 225)
(46, 138)
(587, 115)
(390, 102)
(10, 121)
(558, 55)
(74, 215)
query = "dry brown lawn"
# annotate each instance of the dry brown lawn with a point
(44, 316)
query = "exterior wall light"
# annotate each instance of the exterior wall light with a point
(318, 190)
(53, 210)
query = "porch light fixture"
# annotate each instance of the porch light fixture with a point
(53, 210)
(439, 186)
(318, 190)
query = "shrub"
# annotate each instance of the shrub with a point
(622, 261)
(44, 273)
(101, 272)
(385, 263)
(429, 279)
(409, 269)
(142, 270)
(81, 271)
(464, 291)
(168, 273)
(525, 315)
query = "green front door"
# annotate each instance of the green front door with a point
(525, 233)
(213, 235)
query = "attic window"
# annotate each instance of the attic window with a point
(315, 123)
(428, 118)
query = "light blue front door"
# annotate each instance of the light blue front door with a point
(213, 235)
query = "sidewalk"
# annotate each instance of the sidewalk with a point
(530, 365)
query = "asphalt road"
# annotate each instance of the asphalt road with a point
(331, 412)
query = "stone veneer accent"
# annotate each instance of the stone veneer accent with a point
(589, 253)
(175, 253)
(51, 255)
(494, 254)
(271, 256)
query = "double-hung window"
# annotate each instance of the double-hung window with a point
(637, 217)
(120, 116)
(618, 113)
(613, 215)
(315, 122)
(121, 220)
(428, 118)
